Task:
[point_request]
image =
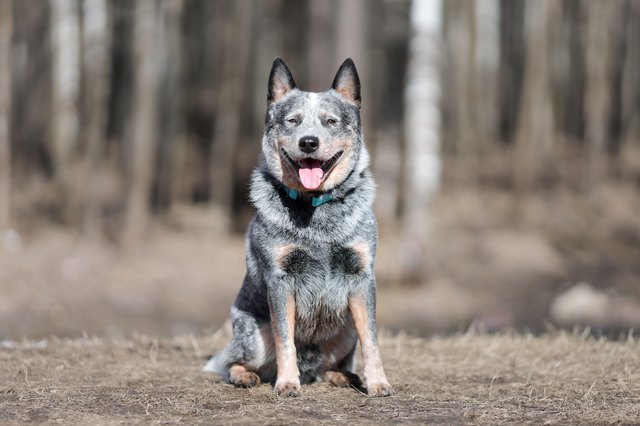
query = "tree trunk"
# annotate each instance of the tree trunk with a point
(6, 31)
(65, 39)
(512, 53)
(171, 139)
(351, 42)
(630, 108)
(230, 96)
(460, 83)
(144, 121)
(387, 81)
(422, 129)
(534, 137)
(321, 45)
(599, 18)
(96, 42)
(486, 66)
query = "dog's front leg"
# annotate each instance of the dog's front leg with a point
(362, 307)
(283, 322)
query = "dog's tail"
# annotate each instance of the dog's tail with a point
(218, 364)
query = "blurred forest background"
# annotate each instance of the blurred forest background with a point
(505, 140)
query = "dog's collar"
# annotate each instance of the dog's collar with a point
(314, 200)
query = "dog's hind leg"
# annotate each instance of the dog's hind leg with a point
(342, 374)
(249, 358)
(342, 379)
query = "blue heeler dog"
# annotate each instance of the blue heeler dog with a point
(310, 290)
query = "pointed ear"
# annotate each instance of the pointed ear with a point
(347, 82)
(280, 81)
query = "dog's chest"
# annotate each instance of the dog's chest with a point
(323, 281)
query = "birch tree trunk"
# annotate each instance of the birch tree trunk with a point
(65, 39)
(422, 129)
(6, 31)
(144, 121)
(96, 42)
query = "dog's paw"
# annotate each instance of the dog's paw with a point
(247, 379)
(337, 378)
(342, 379)
(286, 389)
(379, 389)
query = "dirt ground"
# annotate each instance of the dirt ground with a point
(559, 378)
(492, 263)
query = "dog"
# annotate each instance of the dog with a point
(309, 293)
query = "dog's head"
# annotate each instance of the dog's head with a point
(313, 141)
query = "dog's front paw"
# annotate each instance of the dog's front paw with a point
(285, 389)
(379, 389)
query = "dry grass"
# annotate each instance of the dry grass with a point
(556, 379)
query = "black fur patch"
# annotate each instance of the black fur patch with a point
(345, 260)
(297, 262)
(309, 362)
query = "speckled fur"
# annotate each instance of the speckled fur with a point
(323, 256)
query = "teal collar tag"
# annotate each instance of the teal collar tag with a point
(315, 201)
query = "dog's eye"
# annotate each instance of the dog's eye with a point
(331, 121)
(292, 120)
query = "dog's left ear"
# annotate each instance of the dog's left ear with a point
(347, 82)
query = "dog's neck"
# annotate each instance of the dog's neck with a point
(315, 200)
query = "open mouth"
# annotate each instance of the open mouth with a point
(312, 171)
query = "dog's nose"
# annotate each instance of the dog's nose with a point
(308, 144)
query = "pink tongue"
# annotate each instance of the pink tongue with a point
(311, 174)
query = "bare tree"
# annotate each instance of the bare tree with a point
(460, 83)
(144, 123)
(351, 42)
(599, 17)
(96, 41)
(534, 137)
(486, 63)
(510, 76)
(6, 30)
(384, 107)
(237, 34)
(422, 127)
(172, 125)
(630, 108)
(321, 43)
(65, 40)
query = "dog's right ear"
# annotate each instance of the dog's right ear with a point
(280, 81)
